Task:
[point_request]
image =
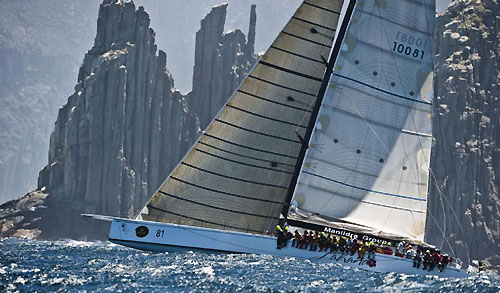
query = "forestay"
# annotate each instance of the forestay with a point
(236, 176)
(368, 159)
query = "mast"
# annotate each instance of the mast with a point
(314, 116)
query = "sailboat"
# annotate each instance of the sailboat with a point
(331, 131)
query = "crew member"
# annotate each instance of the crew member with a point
(342, 244)
(443, 263)
(435, 259)
(304, 240)
(427, 259)
(279, 239)
(296, 239)
(371, 250)
(417, 259)
(481, 266)
(334, 245)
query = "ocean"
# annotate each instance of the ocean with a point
(76, 266)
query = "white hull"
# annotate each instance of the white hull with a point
(164, 237)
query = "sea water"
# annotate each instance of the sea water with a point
(30, 265)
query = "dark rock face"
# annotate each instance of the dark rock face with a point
(221, 63)
(464, 204)
(125, 127)
(106, 148)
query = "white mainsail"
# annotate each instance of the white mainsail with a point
(367, 163)
(237, 176)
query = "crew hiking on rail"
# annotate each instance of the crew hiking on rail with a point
(323, 242)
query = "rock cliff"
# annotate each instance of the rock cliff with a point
(125, 127)
(463, 204)
(39, 59)
(221, 63)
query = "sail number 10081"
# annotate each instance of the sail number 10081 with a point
(408, 51)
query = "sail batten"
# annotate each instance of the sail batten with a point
(237, 175)
(368, 157)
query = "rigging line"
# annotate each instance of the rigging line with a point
(441, 230)
(433, 179)
(447, 200)
(476, 122)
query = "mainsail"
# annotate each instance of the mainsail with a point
(237, 175)
(367, 163)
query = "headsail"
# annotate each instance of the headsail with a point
(236, 176)
(367, 164)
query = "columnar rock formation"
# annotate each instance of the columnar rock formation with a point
(221, 63)
(463, 204)
(107, 144)
(126, 127)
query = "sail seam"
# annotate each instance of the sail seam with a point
(271, 101)
(365, 189)
(250, 148)
(281, 86)
(363, 201)
(234, 178)
(290, 71)
(386, 100)
(240, 155)
(265, 117)
(381, 90)
(295, 54)
(241, 163)
(322, 8)
(380, 123)
(357, 171)
(227, 193)
(200, 220)
(306, 39)
(313, 23)
(214, 207)
(393, 22)
(256, 132)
